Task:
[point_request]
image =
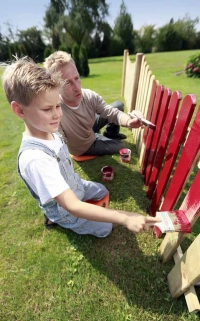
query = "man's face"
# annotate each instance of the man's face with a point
(71, 91)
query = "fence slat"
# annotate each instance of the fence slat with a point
(177, 139)
(186, 272)
(190, 295)
(159, 126)
(191, 206)
(148, 110)
(150, 133)
(164, 141)
(189, 156)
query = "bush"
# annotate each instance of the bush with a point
(193, 66)
(84, 62)
(75, 56)
(47, 52)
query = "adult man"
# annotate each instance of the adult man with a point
(85, 113)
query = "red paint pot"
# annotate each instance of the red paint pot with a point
(125, 155)
(107, 173)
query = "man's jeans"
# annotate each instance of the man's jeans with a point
(103, 145)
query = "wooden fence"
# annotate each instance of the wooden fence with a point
(169, 159)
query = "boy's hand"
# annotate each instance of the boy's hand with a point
(140, 223)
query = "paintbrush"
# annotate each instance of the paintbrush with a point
(144, 121)
(173, 221)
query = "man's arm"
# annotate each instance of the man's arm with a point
(131, 220)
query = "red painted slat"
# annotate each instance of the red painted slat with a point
(188, 158)
(164, 141)
(190, 204)
(150, 136)
(177, 138)
(146, 129)
(159, 126)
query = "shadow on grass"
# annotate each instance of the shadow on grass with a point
(127, 183)
(141, 278)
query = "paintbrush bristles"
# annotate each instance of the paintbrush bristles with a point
(173, 221)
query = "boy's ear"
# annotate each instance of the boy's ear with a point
(17, 109)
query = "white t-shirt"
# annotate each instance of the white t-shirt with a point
(41, 171)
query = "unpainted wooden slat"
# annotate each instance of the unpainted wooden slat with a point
(186, 272)
(190, 295)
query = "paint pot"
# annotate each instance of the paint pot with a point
(107, 173)
(125, 155)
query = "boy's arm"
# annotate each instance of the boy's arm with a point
(133, 221)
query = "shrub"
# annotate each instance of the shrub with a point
(193, 66)
(75, 56)
(84, 62)
(47, 52)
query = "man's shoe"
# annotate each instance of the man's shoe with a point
(48, 223)
(115, 136)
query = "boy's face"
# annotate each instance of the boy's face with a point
(71, 91)
(43, 115)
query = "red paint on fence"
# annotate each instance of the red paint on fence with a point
(177, 139)
(168, 126)
(159, 126)
(155, 111)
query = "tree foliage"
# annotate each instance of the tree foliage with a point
(144, 39)
(31, 40)
(123, 29)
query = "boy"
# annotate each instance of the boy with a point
(44, 162)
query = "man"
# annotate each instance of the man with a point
(85, 113)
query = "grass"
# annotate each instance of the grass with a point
(60, 276)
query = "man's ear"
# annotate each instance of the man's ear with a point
(17, 109)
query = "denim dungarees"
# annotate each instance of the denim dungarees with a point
(83, 189)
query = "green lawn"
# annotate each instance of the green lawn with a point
(60, 276)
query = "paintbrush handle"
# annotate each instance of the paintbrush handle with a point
(144, 121)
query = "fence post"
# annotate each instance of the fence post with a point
(138, 62)
(124, 71)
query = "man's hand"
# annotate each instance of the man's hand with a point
(135, 117)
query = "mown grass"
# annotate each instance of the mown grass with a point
(60, 276)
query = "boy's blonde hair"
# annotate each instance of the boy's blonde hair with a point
(58, 59)
(23, 80)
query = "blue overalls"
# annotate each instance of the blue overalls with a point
(83, 189)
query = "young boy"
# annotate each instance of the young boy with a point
(44, 162)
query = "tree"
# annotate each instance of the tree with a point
(84, 18)
(186, 30)
(145, 39)
(52, 15)
(84, 67)
(123, 29)
(75, 56)
(168, 38)
(31, 40)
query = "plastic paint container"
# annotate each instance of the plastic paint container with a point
(107, 173)
(125, 155)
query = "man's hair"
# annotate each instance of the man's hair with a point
(23, 80)
(57, 60)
